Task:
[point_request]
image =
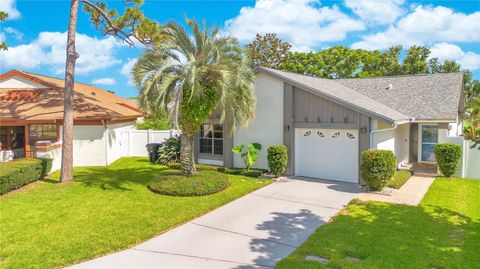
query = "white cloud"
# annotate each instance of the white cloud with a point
(127, 70)
(303, 23)
(426, 25)
(104, 81)
(446, 51)
(48, 50)
(9, 6)
(374, 11)
(14, 32)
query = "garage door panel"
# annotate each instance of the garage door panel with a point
(327, 153)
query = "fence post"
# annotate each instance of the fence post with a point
(129, 143)
(150, 136)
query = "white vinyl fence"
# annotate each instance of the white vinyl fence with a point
(471, 161)
(134, 142)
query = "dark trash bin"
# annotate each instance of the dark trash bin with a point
(152, 149)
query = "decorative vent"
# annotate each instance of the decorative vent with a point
(350, 135)
(320, 134)
(336, 134)
(308, 133)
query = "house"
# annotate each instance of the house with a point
(31, 113)
(326, 124)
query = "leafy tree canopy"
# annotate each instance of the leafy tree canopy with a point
(130, 26)
(268, 51)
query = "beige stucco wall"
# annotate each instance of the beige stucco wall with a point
(396, 140)
(267, 126)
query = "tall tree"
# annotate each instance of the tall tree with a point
(195, 78)
(267, 51)
(3, 17)
(415, 62)
(66, 172)
(130, 26)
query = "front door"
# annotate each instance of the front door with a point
(429, 138)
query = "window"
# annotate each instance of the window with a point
(429, 140)
(211, 139)
(42, 132)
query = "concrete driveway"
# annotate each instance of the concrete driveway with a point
(255, 231)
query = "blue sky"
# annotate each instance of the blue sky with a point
(36, 31)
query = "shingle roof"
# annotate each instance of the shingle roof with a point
(423, 97)
(339, 93)
(90, 102)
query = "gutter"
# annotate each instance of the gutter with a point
(372, 132)
(395, 125)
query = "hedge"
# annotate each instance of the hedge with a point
(19, 172)
(377, 167)
(448, 158)
(277, 157)
(238, 171)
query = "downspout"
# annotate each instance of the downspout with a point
(372, 132)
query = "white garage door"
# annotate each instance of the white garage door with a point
(327, 153)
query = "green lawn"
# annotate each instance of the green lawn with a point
(400, 177)
(443, 232)
(106, 209)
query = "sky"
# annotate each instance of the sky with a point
(36, 31)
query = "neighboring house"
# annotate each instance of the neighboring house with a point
(31, 110)
(326, 124)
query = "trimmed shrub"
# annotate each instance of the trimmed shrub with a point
(168, 151)
(199, 167)
(236, 171)
(448, 158)
(204, 183)
(17, 173)
(277, 157)
(377, 167)
(46, 166)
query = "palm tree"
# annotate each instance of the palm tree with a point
(195, 78)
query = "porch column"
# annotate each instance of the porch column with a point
(27, 141)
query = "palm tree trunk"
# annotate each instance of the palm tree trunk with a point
(66, 174)
(187, 163)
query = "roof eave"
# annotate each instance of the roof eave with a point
(331, 98)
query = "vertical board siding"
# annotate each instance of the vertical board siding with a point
(308, 107)
(288, 129)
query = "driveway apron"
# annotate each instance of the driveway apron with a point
(255, 231)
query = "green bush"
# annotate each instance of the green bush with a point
(168, 151)
(17, 173)
(204, 183)
(46, 166)
(277, 157)
(237, 171)
(448, 158)
(199, 167)
(377, 167)
(248, 153)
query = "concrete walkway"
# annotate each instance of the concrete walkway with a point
(255, 231)
(411, 193)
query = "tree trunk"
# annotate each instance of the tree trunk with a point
(187, 162)
(66, 174)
